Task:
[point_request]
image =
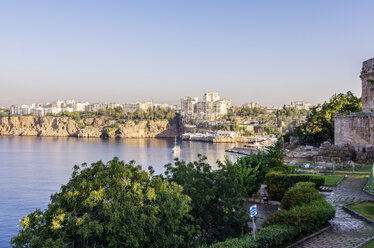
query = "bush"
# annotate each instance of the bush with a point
(306, 218)
(278, 184)
(305, 184)
(250, 172)
(275, 235)
(301, 193)
(285, 169)
(245, 242)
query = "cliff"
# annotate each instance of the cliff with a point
(87, 128)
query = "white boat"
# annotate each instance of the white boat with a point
(176, 149)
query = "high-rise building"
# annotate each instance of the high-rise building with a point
(188, 106)
(210, 97)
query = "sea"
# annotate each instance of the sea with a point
(33, 168)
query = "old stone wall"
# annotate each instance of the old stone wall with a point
(367, 77)
(356, 129)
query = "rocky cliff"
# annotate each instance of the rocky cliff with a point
(87, 128)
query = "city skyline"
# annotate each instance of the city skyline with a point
(178, 102)
(272, 53)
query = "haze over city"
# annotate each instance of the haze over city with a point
(164, 50)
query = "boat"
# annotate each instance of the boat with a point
(176, 149)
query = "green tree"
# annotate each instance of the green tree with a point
(111, 205)
(217, 205)
(319, 125)
(275, 155)
(250, 171)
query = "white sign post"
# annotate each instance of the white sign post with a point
(253, 212)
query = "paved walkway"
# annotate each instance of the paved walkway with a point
(347, 230)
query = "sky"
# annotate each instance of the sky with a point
(273, 52)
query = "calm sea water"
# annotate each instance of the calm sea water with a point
(32, 168)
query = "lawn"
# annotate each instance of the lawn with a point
(364, 208)
(369, 245)
(332, 180)
(358, 168)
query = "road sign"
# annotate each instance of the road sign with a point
(253, 210)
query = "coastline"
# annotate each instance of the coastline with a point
(49, 126)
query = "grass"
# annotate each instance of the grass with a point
(364, 208)
(332, 180)
(359, 168)
(369, 245)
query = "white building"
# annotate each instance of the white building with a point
(131, 107)
(20, 109)
(252, 105)
(188, 106)
(81, 106)
(209, 109)
(300, 105)
(96, 107)
(221, 107)
(211, 97)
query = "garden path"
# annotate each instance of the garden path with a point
(347, 231)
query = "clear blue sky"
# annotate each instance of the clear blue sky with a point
(123, 51)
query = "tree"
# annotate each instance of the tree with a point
(319, 125)
(250, 171)
(217, 205)
(111, 205)
(275, 155)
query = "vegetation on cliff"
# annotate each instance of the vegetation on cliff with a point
(119, 114)
(4, 112)
(319, 125)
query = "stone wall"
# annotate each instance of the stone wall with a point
(356, 129)
(367, 77)
(329, 150)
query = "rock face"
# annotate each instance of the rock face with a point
(87, 128)
(38, 126)
(147, 129)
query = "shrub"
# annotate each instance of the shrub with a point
(301, 193)
(250, 172)
(275, 235)
(285, 169)
(305, 184)
(278, 184)
(245, 242)
(306, 218)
